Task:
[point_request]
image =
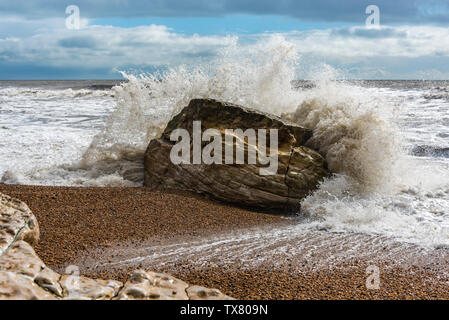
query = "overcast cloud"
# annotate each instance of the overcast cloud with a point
(395, 11)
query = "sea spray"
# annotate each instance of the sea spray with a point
(353, 131)
(257, 76)
(376, 187)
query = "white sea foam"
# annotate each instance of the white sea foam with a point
(46, 93)
(79, 138)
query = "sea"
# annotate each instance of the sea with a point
(386, 141)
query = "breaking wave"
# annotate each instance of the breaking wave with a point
(354, 131)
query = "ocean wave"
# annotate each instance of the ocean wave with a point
(55, 93)
(430, 151)
(436, 96)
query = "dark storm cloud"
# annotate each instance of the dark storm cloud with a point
(392, 11)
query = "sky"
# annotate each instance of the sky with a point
(43, 40)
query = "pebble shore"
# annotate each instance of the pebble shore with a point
(87, 222)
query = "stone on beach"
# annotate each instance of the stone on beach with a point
(153, 286)
(299, 170)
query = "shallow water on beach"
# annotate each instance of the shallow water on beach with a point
(294, 247)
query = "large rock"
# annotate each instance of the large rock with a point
(299, 168)
(16, 223)
(24, 276)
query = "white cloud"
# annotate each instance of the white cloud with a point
(107, 46)
(359, 42)
(374, 53)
